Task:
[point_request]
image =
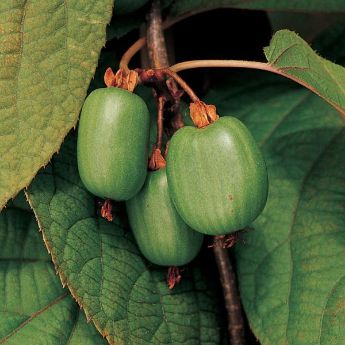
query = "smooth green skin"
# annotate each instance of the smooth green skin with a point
(162, 236)
(113, 139)
(217, 176)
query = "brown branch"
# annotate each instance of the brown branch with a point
(158, 58)
(155, 77)
(231, 296)
(167, 93)
(141, 42)
(155, 37)
(158, 54)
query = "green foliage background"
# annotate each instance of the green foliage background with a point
(289, 262)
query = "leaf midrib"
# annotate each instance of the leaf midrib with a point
(33, 316)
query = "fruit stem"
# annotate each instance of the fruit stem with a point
(181, 82)
(223, 63)
(231, 296)
(264, 66)
(160, 118)
(130, 52)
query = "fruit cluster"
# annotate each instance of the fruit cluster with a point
(215, 180)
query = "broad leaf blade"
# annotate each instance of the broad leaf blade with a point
(48, 54)
(126, 297)
(294, 58)
(34, 309)
(182, 7)
(290, 265)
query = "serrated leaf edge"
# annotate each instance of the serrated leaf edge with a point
(63, 278)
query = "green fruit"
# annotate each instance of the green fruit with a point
(217, 176)
(161, 234)
(112, 143)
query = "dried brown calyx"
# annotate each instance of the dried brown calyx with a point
(173, 276)
(157, 161)
(203, 114)
(225, 241)
(106, 210)
(124, 79)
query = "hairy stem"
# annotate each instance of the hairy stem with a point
(231, 296)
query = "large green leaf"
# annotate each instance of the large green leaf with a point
(48, 54)
(126, 297)
(34, 308)
(183, 7)
(292, 57)
(290, 266)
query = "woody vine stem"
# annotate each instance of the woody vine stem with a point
(159, 61)
(220, 64)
